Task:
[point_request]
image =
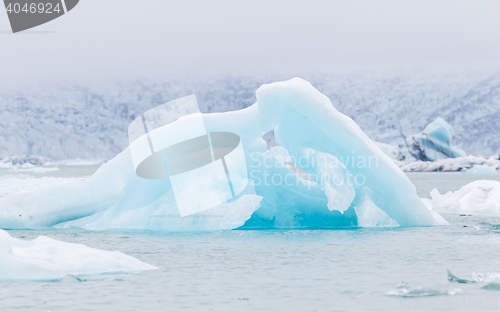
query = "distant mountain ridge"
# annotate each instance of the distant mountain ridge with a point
(79, 121)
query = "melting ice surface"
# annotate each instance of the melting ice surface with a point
(363, 187)
(45, 258)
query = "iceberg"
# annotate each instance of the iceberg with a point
(480, 197)
(45, 258)
(331, 175)
(433, 143)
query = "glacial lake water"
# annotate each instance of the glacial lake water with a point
(356, 269)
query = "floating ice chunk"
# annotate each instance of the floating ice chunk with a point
(433, 143)
(481, 197)
(454, 279)
(486, 278)
(45, 258)
(492, 277)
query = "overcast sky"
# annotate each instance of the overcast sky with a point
(125, 38)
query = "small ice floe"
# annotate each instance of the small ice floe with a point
(491, 277)
(452, 278)
(404, 290)
(46, 259)
(486, 278)
(480, 197)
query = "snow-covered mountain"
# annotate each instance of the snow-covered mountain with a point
(386, 106)
(90, 120)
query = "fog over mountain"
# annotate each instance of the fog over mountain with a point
(125, 38)
(69, 121)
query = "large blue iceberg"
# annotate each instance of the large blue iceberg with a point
(335, 176)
